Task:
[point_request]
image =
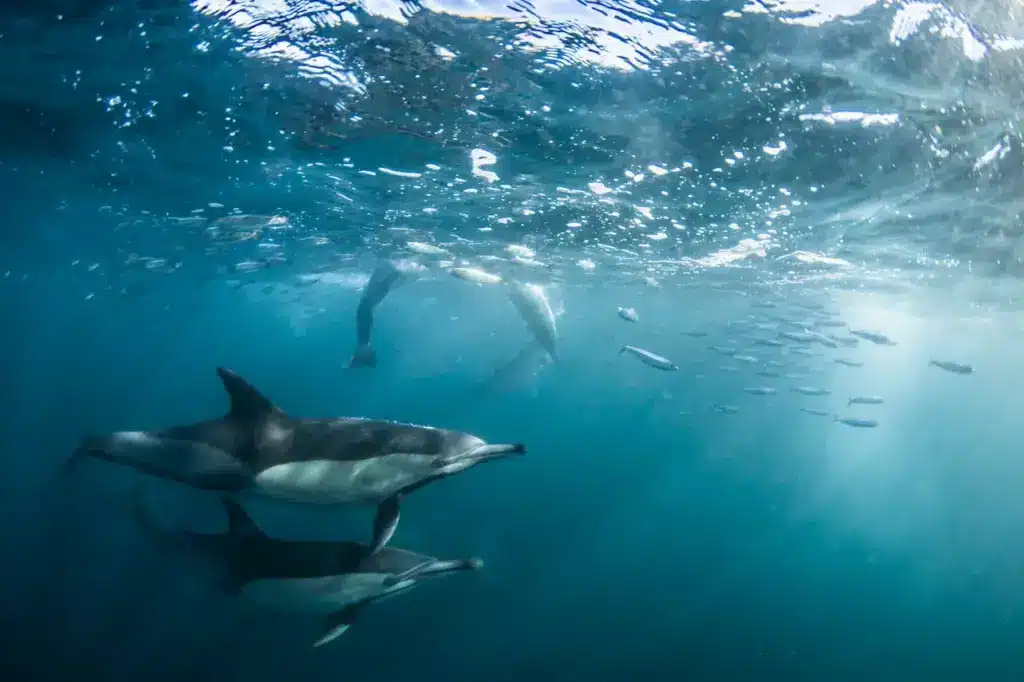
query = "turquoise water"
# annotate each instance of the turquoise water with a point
(211, 184)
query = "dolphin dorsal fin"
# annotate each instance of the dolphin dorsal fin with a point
(247, 403)
(239, 522)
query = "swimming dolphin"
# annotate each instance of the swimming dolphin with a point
(337, 579)
(535, 309)
(257, 449)
(385, 277)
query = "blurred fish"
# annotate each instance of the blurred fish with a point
(650, 359)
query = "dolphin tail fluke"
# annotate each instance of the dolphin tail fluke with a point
(71, 465)
(337, 624)
(146, 522)
(436, 567)
(364, 356)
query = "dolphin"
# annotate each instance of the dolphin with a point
(337, 579)
(533, 306)
(385, 277)
(256, 449)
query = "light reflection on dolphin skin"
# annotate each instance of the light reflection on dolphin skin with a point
(257, 449)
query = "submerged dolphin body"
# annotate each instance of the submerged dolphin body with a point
(534, 307)
(385, 277)
(257, 449)
(335, 579)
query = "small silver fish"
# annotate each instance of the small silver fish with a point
(810, 390)
(768, 373)
(649, 358)
(816, 413)
(723, 350)
(725, 409)
(768, 342)
(760, 390)
(822, 339)
(848, 341)
(865, 400)
(859, 423)
(849, 363)
(696, 334)
(628, 314)
(800, 337)
(475, 275)
(874, 337)
(425, 249)
(745, 358)
(954, 367)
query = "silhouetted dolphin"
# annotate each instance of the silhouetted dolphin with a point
(385, 277)
(257, 449)
(338, 579)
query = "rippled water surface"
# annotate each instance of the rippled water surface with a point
(804, 202)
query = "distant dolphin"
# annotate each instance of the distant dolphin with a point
(535, 309)
(257, 449)
(385, 277)
(338, 579)
(526, 363)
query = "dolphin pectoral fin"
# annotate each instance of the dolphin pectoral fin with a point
(436, 567)
(385, 523)
(240, 524)
(337, 624)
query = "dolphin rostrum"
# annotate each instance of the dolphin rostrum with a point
(337, 579)
(257, 449)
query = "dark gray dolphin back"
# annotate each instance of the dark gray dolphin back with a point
(392, 561)
(261, 435)
(239, 434)
(253, 555)
(354, 439)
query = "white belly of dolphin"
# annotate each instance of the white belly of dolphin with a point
(320, 595)
(366, 481)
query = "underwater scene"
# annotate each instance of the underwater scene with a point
(487, 341)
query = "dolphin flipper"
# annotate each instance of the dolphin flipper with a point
(435, 567)
(240, 524)
(337, 623)
(385, 523)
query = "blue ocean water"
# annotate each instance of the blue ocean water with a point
(204, 184)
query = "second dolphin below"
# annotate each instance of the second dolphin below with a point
(337, 579)
(257, 449)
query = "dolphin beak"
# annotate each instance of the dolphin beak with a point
(483, 453)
